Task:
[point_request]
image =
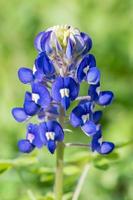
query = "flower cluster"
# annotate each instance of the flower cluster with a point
(62, 64)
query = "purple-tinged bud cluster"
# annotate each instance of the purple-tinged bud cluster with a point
(62, 64)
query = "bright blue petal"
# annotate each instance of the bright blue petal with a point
(56, 86)
(87, 41)
(44, 95)
(76, 116)
(106, 147)
(19, 114)
(89, 128)
(37, 42)
(95, 144)
(44, 64)
(97, 116)
(35, 130)
(93, 93)
(25, 146)
(87, 63)
(105, 98)
(42, 131)
(73, 87)
(30, 107)
(51, 145)
(25, 75)
(93, 76)
(54, 126)
(65, 102)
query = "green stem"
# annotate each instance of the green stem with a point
(59, 163)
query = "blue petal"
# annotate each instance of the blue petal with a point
(55, 127)
(73, 87)
(79, 45)
(88, 61)
(44, 95)
(93, 93)
(37, 41)
(44, 64)
(93, 76)
(87, 41)
(105, 98)
(65, 102)
(97, 116)
(56, 86)
(106, 147)
(45, 42)
(19, 114)
(95, 144)
(30, 107)
(86, 105)
(25, 75)
(35, 130)
(42, 131)
(89, 128)
(69, 49)
(76, 116)
(51, 146)
(25, 146)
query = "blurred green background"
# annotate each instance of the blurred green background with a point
(110, 25)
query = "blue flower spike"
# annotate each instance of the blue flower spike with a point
(62, 63)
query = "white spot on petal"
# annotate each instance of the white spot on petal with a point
(35, 97)
(50, 135)
(64, 92)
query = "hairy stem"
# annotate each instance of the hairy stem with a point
(59, 163)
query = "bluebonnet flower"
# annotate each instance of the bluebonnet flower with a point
(32, 140)
(50, 133)
(63, 61)
(102, 147)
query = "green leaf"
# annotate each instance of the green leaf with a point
(102, 163)
(67, 196)
(47, 178)
(4, 165)
(80, 158)
(24, 161)
(71, 170)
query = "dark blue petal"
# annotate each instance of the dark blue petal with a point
(30, 107)
(25, 75)
(73, 87)
(35, 131)
(25, 146)
(97, 116)
(44, 95)
(65, 102)
(93, 76)
(19, 114)
(56, 86)
(95, 143)
(54, 126)
(51, 145)
(106, 147)
(42, 131)
(105, 98)
(86, 105)
(87, 63)
(76, 116)
(87, 41)
(44, 64)
(93, 92)
(89, 128)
